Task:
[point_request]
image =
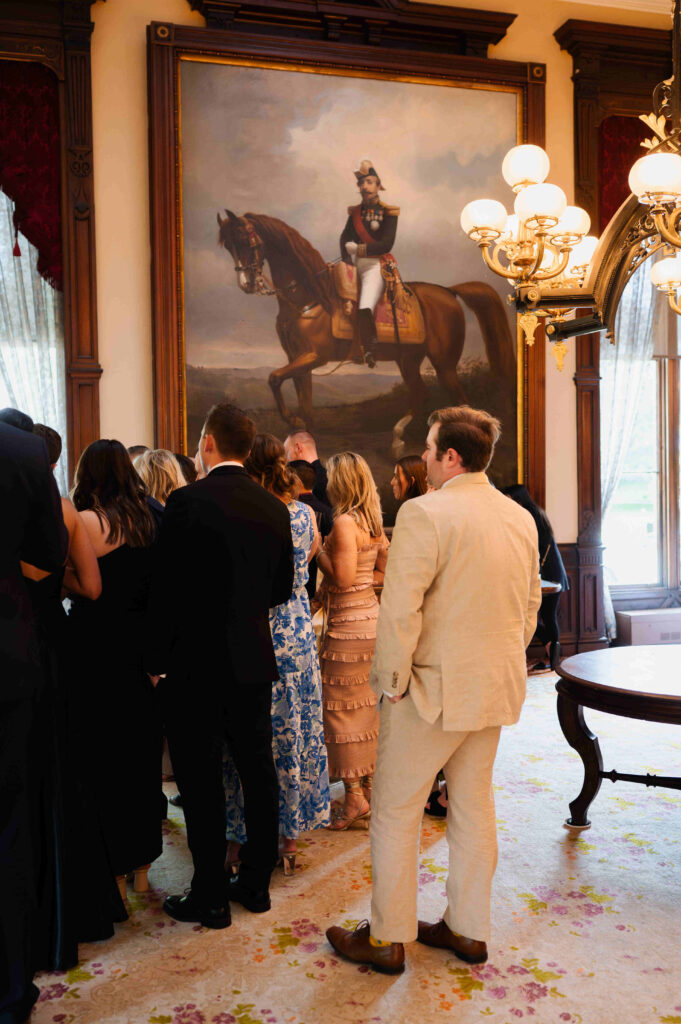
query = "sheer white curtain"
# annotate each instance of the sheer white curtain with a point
(32, 363)
(641, 313)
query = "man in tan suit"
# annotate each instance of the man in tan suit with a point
(459, 608)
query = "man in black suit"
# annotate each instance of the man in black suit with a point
(225, 557)
(31, 529)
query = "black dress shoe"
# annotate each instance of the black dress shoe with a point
(256, 900)
(370, 359)
(176, 800)
(186, 908)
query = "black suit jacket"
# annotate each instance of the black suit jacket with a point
(224, 558)
(31, 529)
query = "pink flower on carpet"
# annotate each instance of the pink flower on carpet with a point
(516, 1013)
(303, 928)
(188, 1015)
(565, 1016)
(533, 991)
(309, 947)
(559, 910)
(621, 927)
(497, 993)
(592, 909)
(224, 1018)
(517, 969)
(55, 991)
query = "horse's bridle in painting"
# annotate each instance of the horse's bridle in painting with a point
(261, 283)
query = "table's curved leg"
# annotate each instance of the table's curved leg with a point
(581, 739)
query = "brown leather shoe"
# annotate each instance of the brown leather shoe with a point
(355, 945)
(442, 937)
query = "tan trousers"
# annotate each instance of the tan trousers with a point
(410, 752)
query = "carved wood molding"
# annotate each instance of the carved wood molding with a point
(615, 69)
(589, 549)
(166, 42)
(388, 23)
(59, 37)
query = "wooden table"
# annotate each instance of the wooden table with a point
(633, 682)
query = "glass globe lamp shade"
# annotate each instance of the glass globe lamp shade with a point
(572, 226)
(525, 165)
(582, 254)
(484, 219)
(666, 273)
(540, 205)
(656, 178)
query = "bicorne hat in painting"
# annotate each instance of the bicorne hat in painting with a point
(366, 167)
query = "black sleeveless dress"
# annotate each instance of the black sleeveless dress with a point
(117, 710)
(77, 895)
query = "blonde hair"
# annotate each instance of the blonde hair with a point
(353, 491)
(160, 471)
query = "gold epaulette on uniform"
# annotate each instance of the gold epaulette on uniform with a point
(393, 211)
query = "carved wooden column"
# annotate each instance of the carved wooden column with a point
(591, 630)
(78, 231)
(587, 117)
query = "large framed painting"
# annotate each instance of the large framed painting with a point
(308, 259)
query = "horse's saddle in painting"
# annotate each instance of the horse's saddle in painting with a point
(410, 323)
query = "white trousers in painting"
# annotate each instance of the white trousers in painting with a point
(371, 283)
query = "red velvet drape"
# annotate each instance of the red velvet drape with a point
(30, 158)
(619, 146)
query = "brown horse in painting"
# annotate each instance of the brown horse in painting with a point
(301, 281)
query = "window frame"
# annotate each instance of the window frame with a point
(669, 496)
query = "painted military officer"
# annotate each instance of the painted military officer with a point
(367, 239)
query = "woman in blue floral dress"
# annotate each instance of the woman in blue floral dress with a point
(297, 726)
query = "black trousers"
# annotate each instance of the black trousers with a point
(17, 874)
(547, 628)
(197, 725)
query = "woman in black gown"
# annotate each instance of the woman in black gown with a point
(117, 706)
(551, 568)
(65, 831)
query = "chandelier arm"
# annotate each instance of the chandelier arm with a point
(546, 275)
(530, 274)
(673, 301)
(495, 265)
(672, 237)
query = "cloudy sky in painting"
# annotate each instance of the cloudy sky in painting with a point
(286, 144)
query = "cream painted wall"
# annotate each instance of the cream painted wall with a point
(119, 97)
(119, 114)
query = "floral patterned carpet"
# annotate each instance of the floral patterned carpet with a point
(585, 928)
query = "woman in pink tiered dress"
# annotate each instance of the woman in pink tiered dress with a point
(353, 560)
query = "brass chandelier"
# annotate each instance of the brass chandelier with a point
(544, 247)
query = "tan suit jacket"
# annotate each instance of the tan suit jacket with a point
(459, 605)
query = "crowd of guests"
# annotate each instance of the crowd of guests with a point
(191, 617)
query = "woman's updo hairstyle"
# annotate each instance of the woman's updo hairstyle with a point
(267, 464)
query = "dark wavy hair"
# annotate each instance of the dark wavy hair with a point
(414, 469)
(521, 495)
(267, 464)
(107, 484)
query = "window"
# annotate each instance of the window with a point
(32, 364)
(640, 445)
